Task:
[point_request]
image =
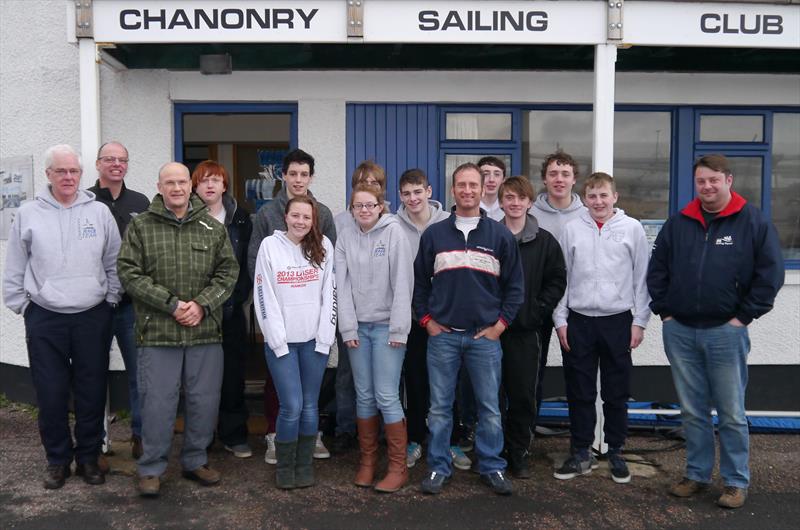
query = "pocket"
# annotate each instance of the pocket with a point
(63, 292)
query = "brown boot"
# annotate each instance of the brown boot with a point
(396, 441)
(368, 445)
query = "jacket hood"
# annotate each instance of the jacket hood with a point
(230, 205)
(619, 215)
(542, 204)
(47, 197)
(196, 208)
(695, 209)
(529, 231)
(437, 214)
(383, 221)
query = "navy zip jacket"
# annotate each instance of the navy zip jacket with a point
(468, 285)
(703, 276)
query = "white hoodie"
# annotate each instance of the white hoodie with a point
(606, 269)
(62, 258)
(552, 219)
(295, 301)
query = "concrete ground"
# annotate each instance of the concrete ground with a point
(247, 498)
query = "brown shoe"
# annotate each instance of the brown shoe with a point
(149, 486)
(136, 447)
(686, 488)
(396, 442)
(102, 464)
(204, 475)
(732, 497)
(56, 475)
(368, 445)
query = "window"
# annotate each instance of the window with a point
(734, 128)
(785, 181)
(478, 126)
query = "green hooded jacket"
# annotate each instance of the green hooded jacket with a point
(164, 260)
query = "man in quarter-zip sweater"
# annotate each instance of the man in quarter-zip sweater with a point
(716, 266)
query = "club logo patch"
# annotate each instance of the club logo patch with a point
(86, 230)
(725, 241)
(380, 250)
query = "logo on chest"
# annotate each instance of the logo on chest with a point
(379, 250)
(725, 241)
(86, 230)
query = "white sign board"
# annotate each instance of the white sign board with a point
(147, 21)
(711, 24)
(537, 22)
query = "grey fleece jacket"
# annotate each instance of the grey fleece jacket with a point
(271, 217)
(62, 258)
(412, 232)
(553, 219)
(374, 279)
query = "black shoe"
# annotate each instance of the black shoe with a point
(518, 464)
(467, 439)
(344, 442)
(56, 475)
(619, 469)
(434, 483)
(475, 468)
(91, 473)
(499, 483)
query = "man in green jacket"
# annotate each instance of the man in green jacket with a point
(178, 266)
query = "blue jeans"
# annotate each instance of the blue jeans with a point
(376, 373)
(709, 368)
(297, 377)
(122, 328)
(482, 358)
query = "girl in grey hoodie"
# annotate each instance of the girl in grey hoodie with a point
(375, 282)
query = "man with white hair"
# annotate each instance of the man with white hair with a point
(61, 275)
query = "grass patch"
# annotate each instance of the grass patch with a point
(13, 406)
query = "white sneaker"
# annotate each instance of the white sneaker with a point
(413, 453)
(320, 451)
(269, 456)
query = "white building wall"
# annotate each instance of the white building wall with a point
(39, 107)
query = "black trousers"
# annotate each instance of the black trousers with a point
(520, 369)
(233, 413)
(593, 341)
(69, 352)
(545, 332)
(415, 382)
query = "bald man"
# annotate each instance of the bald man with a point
(178, 266)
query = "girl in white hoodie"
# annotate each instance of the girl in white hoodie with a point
(295, 296)
(373, 270)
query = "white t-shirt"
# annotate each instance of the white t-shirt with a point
(467, 224)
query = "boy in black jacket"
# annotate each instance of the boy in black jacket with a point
(545, 280)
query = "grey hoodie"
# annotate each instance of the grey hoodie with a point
(412, 232)
(374, 279)
(553, 219)
(62, 258)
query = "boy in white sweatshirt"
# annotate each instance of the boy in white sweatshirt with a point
(600, 320)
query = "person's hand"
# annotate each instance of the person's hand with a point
(351, 343)
(434, 328)
(562, 337)
(666, 319)
(181, 309)
(492, 332)
(192, 315)
(637, 336)
(735, 322)
(395, 344)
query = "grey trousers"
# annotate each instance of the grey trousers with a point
(161, 372)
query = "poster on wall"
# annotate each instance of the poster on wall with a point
(16, 184)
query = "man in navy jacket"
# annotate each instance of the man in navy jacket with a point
(468, 286)
(715, 267)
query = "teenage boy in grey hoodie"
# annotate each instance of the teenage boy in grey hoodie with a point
(416, 213)
(61, 274)
(600, 320)
(554, 208)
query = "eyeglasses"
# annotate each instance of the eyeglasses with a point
(365, 206)
(112, 159)
(61, 172)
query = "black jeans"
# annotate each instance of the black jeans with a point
(415, 377)
(233, 413)
(520, 369)
(604, 341)
(69, 352)
(545, 332)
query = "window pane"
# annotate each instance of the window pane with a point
(731, 128)
(642, 142)
(747, 172)
(478, 126)
(786, 181)
(452, 161)
(547, 131)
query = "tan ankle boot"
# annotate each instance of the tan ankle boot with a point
(368, 444)
(396, 442)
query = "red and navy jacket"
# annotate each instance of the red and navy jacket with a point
(467, 285)
(703, 276)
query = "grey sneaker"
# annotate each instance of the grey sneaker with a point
(413, 453)
(320, 451)
(240, 450)
(618, 467)
(460, 460)
(269, 455)
(575, 465)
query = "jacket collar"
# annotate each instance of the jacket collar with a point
(694, 209)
